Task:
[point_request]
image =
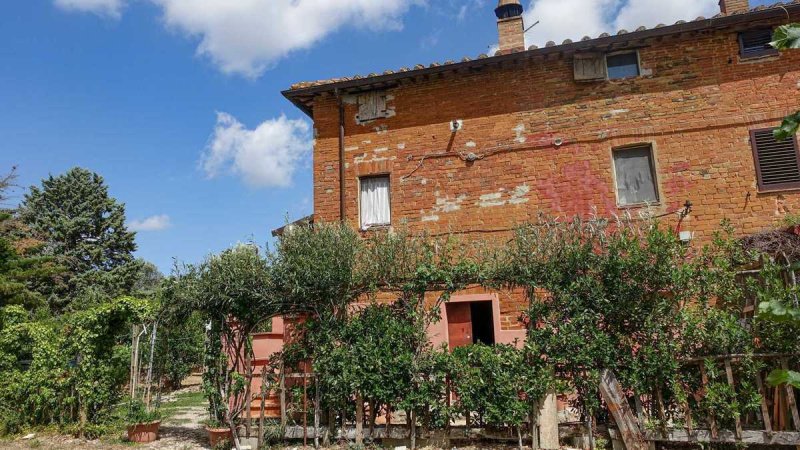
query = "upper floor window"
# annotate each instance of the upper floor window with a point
(755, 43)
(372, 106)
(635, 175)
(375, 201)
(601, 66)
(623, 65)
(777, 162)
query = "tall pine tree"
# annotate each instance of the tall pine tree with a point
(24, 276)
(84, 230)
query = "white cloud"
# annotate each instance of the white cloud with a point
(562, 19)
(248, 37)
(573, 19)
(152, 223)
(265, 156)
(105, 8)
(652, 12)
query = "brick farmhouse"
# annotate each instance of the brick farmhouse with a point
(638, 122)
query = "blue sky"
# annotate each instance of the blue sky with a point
(179, 108)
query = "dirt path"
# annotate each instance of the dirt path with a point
(181, 430)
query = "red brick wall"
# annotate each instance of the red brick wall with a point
(695, 104)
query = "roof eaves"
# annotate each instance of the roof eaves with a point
(310, 89)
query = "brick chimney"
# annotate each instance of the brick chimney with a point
(510, 26)
(732, 6)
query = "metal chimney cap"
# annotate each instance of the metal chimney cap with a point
(508, 8)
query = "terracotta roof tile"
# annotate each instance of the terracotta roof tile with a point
(549, 45)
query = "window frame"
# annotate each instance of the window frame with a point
(653, 173)
(757, 163)
(624, 52)
(767, 52)
(361, 224)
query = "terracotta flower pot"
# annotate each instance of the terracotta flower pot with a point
(217, 435)
(143, 433)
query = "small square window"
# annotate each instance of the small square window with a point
(755, 43)
(375, 202)
(623, 65)
(636, 176)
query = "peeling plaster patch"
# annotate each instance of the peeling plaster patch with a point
(351, 149)
(381, 149)
(647, 72)
(431, 218)
(471, 144)
(423, 181)
(367, 142)
(329, 191)
(488, 200)
(518, 195)
(401, 146)
(616, 112)
(447, 205)
(383, 129)
(520, 130)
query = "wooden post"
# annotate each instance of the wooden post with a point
(791, 401)
(305, 411)
(712, 422)
(764, 407)
(547, 422)
(262, 407)
(412, 423)
(149, 379)
(282, 389)
(248, 395)
(737, 419)
(317, 400)
(617, 403)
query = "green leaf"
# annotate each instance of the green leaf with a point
(781, 377)
(786, 37)
(788, 128)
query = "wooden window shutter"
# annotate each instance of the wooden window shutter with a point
(371, 106)
(755, 43)
(777, 162)
(589, 66)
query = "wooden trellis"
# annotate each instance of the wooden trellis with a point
(780, 420)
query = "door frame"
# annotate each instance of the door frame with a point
(473, 299)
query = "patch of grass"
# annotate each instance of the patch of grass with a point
(186, 400)
(177, 421)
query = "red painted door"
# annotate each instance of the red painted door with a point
(459, 324)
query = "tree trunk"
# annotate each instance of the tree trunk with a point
(373, 415)
(331, 428)
(412, 423)
(534, 419)
(388, 421)
(519, 436)
(359, 419)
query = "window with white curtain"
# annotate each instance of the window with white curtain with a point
(375, 207)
